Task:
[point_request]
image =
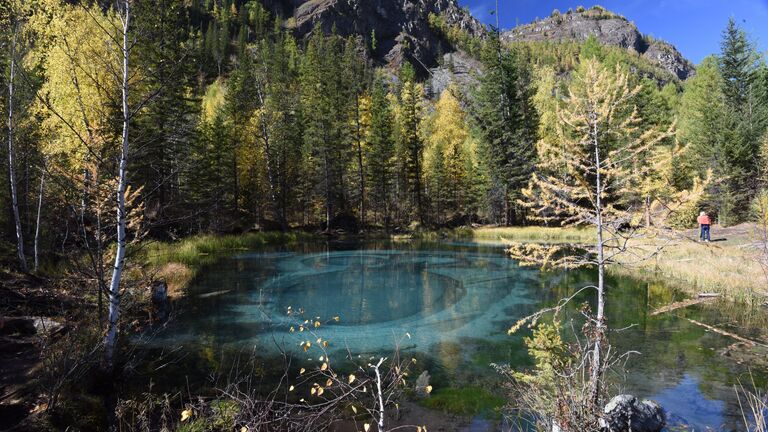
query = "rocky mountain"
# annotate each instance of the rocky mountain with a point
(609, 29)
(401, 27)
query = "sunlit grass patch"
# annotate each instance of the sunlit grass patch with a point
(729, 269)
(550, 235)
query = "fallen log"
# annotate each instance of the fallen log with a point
(682, 304)
(726, 333)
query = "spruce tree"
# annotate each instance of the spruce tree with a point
(382, 152)
(507, 121)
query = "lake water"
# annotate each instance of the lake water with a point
(449, 304)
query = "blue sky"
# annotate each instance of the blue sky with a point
(693, 26)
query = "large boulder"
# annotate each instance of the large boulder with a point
(625, 413)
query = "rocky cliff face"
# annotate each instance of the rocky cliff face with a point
(609, 29)
(401, 26)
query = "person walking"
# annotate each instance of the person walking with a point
(704, 224)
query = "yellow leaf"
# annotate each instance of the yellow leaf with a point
(301, 328)
(312, 391)
(319, 391)
(428, 389)
(329, 383)
(324, 366)
(292, 329)
(302, 371)
(336, 318)
(352, 378)
(291, 388)
(307, 345)
(354, 409)
(321, 358)
(317, 324)
(244, 429)
(319, 340)
(187, 413)
(366, 427)
(325, 344)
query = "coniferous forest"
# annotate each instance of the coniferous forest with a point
(133, 126)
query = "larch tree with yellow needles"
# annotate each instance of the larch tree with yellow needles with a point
(596, 165)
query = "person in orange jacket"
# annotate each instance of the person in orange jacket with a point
(704, 223)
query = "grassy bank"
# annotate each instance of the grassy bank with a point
(178, 262)
(515, 234)
(729, 265)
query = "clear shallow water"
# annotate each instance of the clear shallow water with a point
(455, 301)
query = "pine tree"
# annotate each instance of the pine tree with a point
(382, 152)
(740, 80)
(327, 99)
(507, 121)
(411, 143)
(737, 65)
(165, 129)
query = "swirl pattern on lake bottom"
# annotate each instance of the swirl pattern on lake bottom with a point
(379, 296)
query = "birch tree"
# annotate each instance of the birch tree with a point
(11, 162)
(124, 14)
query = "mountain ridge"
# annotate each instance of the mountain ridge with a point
(609, 29)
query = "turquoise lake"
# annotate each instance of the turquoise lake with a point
(450, 305)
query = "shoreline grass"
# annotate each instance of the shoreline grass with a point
(179, 262)
(532, 234)
(731, 270)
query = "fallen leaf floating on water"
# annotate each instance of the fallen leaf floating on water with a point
(324, 366)
(302, 370)
(292, 329)
(244, 429)
(352, 378)
(321, 358)
(354, 409)
(366, 427)
(291, 388)
(329, 383)
(313, 391)
(187, 413)
(428, 389)
(317, 324)
(319, 391)
(336, 318)
(319, 340)
(325, 344)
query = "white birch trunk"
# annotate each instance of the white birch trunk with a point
(37, 222)
(114, 286)
(11, 162)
